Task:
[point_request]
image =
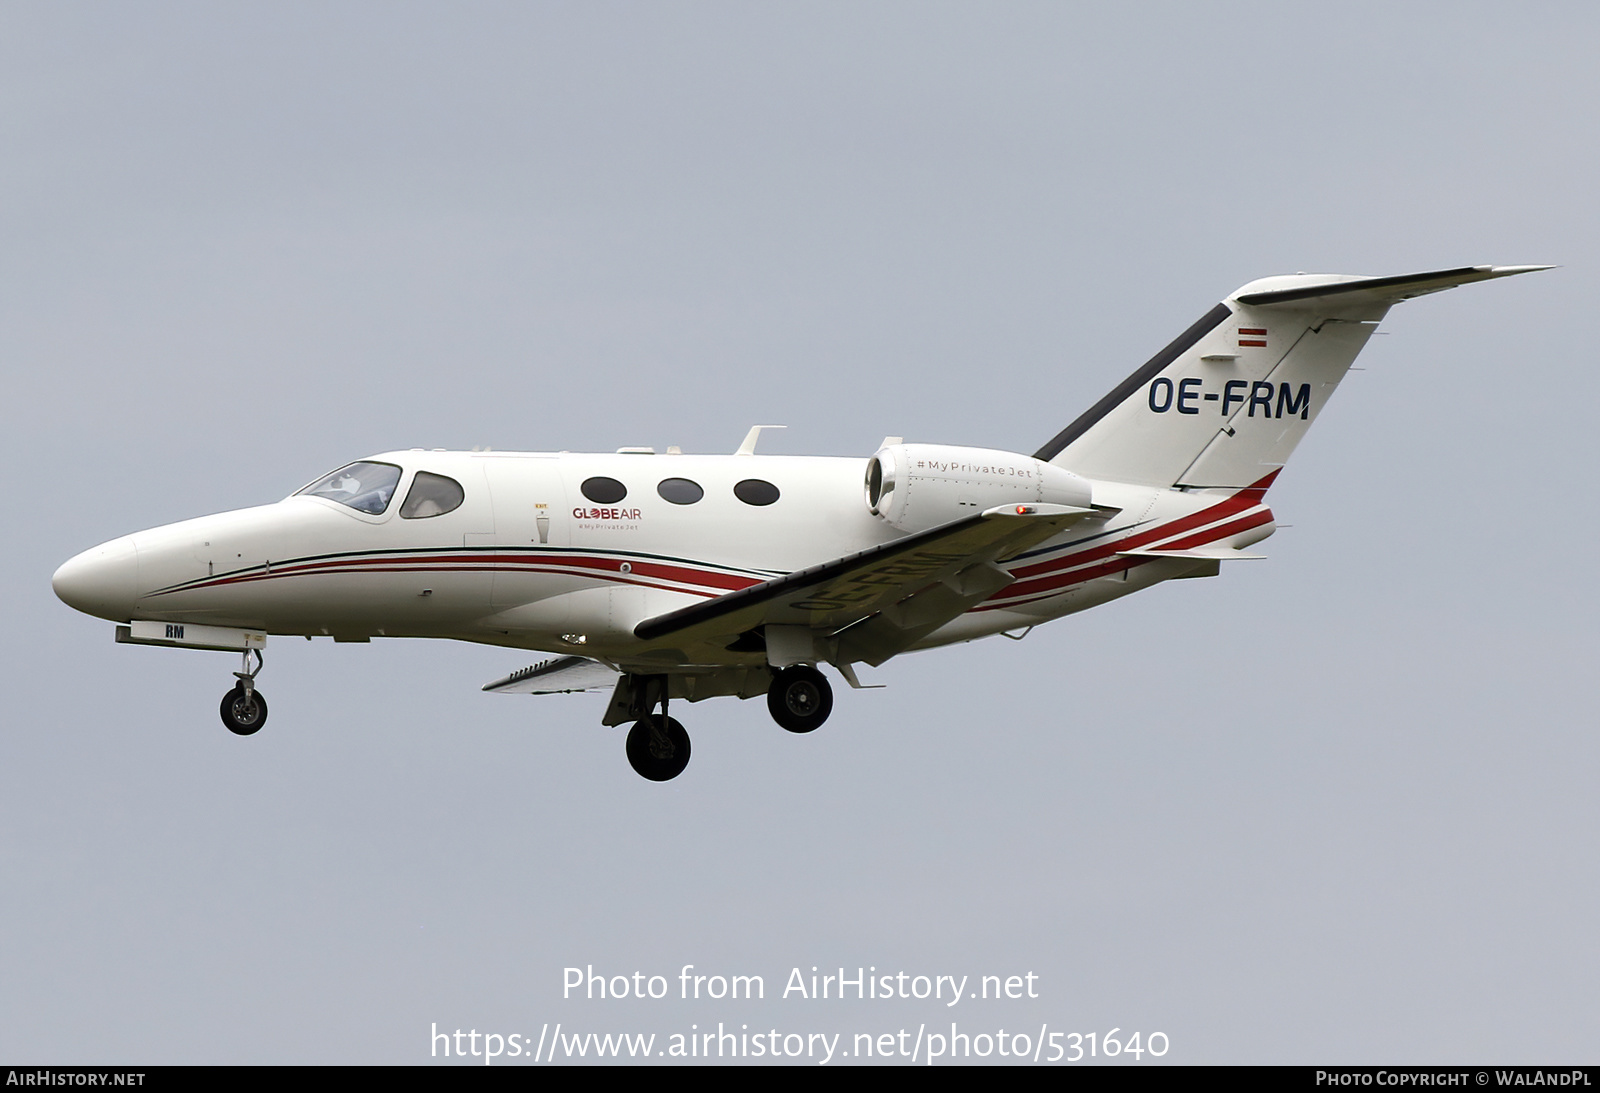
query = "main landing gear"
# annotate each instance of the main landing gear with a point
(244, 709)
(658, 747)
(800, 698)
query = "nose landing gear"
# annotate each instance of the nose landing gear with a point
(244, 709)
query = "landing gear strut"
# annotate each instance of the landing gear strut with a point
(800, 698)
(244, 709)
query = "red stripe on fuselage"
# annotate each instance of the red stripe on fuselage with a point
(608, 568)
(1049, 577)
(600, 575)
(1211, 535)
(1246, 498)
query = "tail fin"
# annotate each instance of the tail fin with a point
(1225, 404)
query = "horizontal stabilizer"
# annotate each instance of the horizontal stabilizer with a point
(1304, 290)
(559, 675)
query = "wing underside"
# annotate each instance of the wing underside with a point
(559, 675)
(867, 606)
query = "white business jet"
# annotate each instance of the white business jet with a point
(683, 577)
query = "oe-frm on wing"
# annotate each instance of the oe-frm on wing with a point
(866, 606)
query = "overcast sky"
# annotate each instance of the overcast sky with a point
(1337, 806)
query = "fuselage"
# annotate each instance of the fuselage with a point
(568, 552)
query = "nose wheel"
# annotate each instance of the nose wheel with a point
(244, 709)
(243, 713)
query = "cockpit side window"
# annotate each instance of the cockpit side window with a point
(365, 487)
(431, 495)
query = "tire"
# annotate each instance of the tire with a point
(242, 716)
(655, 755)
(800, 698)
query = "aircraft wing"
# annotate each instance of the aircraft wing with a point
(559, 675)
(878, 602)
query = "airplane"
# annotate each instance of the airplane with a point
(686, 577)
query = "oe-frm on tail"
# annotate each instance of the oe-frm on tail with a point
(684, 577)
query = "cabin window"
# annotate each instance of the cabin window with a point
(754, 491)
(680, 491)
(365, 487)
(603, 491)
(431, 495)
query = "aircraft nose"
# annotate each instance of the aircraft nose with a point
(102, 581)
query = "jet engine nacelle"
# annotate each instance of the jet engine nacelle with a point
(919, 486)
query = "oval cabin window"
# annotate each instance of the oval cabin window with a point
(754, 491)
(603, 491)
(680, 491)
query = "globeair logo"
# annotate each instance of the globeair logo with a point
(605, 514)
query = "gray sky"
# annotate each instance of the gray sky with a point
(1333, 807)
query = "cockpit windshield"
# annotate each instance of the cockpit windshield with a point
(365, 487)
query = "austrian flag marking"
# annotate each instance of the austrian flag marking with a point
(1253, 336)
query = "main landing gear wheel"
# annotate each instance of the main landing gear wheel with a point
(800, 699)
(243, 713)
(658, 747)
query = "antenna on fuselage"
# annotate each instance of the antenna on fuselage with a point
(750, 438)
